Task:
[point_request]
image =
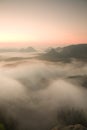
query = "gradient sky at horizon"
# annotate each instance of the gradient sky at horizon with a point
(42, 23)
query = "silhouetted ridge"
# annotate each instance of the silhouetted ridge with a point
(67, 53)
(28, 49)
(74, 51)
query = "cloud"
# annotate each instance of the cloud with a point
(32, 93)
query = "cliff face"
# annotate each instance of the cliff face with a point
(71, 127)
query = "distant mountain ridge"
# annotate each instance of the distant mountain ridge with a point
(66, 53)
(75, 51)
(27, 49)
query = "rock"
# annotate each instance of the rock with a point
(71, 127)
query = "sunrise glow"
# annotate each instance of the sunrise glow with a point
(42, 23)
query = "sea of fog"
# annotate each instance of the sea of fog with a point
(32, 91)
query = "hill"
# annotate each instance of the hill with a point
(28, 49)
(78, 52)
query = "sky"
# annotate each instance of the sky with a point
(42, 23)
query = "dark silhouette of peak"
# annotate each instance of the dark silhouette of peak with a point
(52, 55)
(31, 49)
(28, 49)
(67, 53)
(59, 49)
(74, 51)
(52, 52)
(49, 49)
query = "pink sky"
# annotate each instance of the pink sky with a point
(42, 24)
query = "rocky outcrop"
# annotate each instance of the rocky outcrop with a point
(71, 127)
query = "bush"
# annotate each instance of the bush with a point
(2, 127)
(7, 122)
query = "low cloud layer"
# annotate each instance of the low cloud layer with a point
(32, 93)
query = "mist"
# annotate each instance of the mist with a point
(33, 92)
